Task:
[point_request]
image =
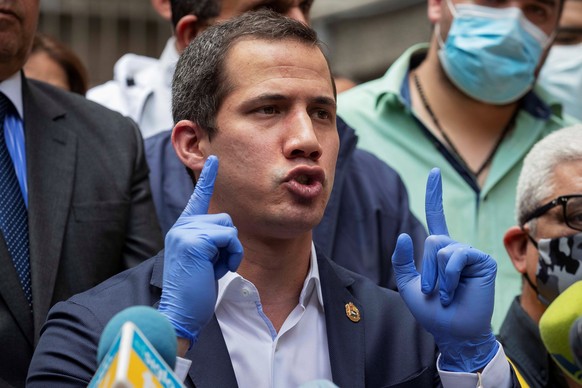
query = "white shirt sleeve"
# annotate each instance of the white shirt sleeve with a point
(496, 374)
(182, 367)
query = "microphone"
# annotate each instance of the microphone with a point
(556, 326)
(137, 348)
(576, 341)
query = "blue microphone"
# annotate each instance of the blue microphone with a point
(137, 348)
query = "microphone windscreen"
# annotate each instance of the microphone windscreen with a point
(576, 341)
(153, 325)
(555, 326)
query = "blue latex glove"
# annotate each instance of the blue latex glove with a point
(453, 300)
(200, 249)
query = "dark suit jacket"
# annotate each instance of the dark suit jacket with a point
(90, 212)
(386, 348)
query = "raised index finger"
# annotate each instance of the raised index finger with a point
(433, 206)
(200, 198)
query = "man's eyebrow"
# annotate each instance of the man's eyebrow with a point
(570, 30)
(551, 3)
(266, 97)
(322, 100)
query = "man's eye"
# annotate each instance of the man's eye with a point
(268, 110)
(538, 14)
(574, 217)
(322, 114)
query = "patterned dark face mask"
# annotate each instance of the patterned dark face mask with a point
(559, 266)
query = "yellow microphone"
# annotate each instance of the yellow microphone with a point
(555, 327)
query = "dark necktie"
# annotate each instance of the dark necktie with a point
(13, 213)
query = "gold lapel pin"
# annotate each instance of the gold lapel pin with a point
(352, 312)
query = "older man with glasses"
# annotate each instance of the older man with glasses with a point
(545, 249)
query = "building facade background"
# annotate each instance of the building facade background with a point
(363, 36)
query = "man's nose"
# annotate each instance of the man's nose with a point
(302, 140)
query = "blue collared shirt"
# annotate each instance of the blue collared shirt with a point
(14, 130)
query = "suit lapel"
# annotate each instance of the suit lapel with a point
(345, 338)
(211, 365)
(50, 155)
(325, 232)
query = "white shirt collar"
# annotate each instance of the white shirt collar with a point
(12, 88)
(168, 60)
(312, 280)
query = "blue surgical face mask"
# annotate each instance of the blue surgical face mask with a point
(561, 75)
(491, 54)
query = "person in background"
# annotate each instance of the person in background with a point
(543, 249)
(253, 302)
(469, 105)
(140, 88)
(368, 207)
(562, 72)
(53, 62)
(75, 200)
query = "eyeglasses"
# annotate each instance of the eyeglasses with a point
(571, 208)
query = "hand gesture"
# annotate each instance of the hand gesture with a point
(453, 299)
(200, 248)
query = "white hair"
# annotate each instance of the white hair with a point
(536, 182)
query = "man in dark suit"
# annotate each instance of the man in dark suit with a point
(368, 207)
(75, 202)
(256, 93)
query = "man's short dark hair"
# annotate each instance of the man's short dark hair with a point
(200, 83)
(203, 9)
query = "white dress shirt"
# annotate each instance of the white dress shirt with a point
(260, 356)
(299, 352)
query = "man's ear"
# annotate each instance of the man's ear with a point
(516, 243)
(186, 30)
(434, 10)
(163, 8)
(190, 141)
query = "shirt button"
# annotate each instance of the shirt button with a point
(246, 292)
